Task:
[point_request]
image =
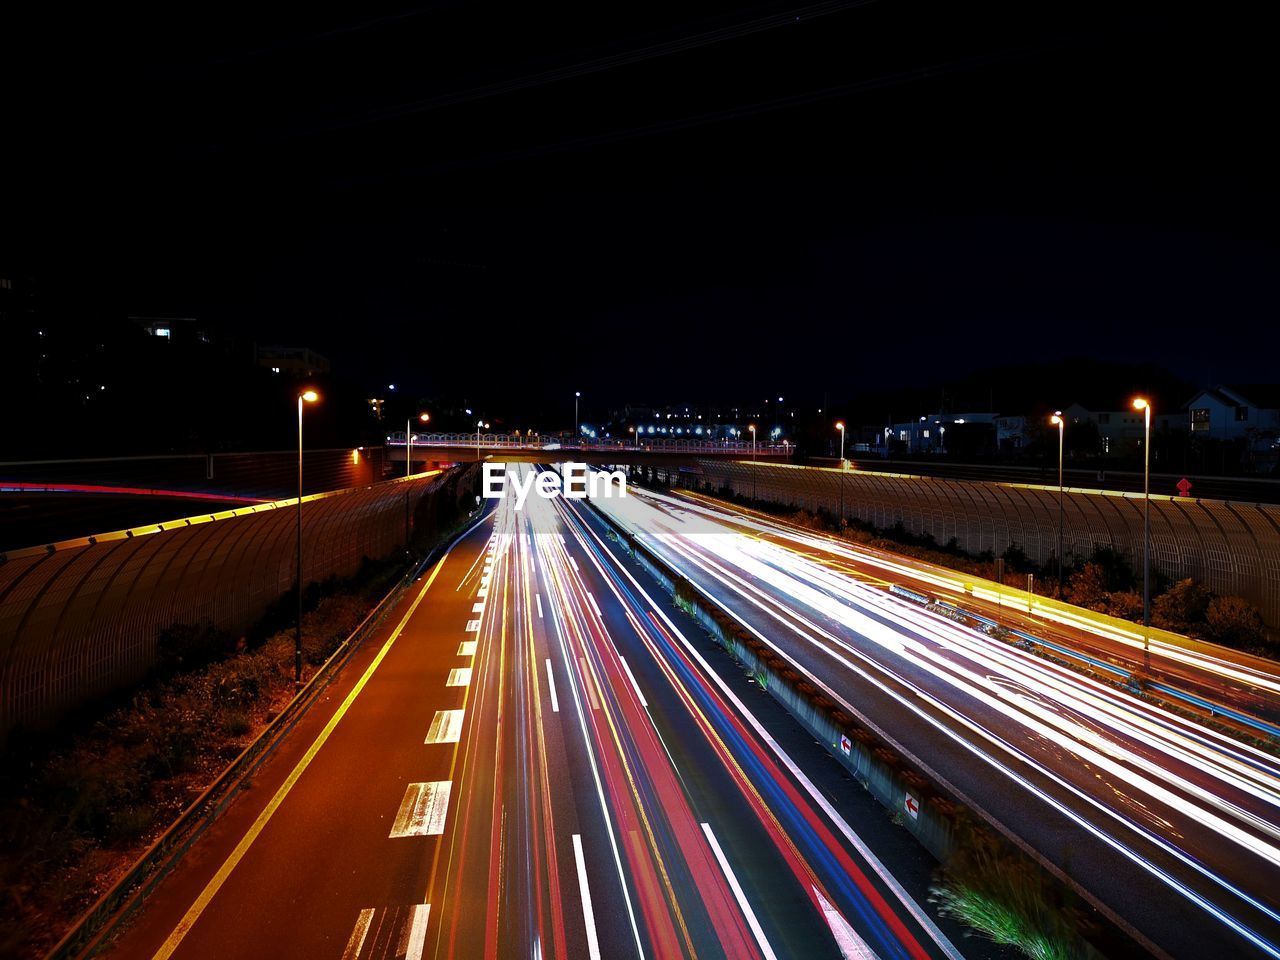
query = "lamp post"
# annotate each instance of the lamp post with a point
(1058, 421)
(840, 427)
(1143, 404)
(752, 428)
(479, 424)
(306, 396)
(577, 395)
(408, 469)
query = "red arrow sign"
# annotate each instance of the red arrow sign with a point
(1184, 486)
(912, 805)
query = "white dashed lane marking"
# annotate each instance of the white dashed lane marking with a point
(423, 810)
(446, 727)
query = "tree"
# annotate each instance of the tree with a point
(1183, 605)
(1234, 622)
(1088, 586)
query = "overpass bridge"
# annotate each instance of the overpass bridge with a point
(439, 448)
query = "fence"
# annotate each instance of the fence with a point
(553, 443)
(267, 474)
(83, 617)
(1230, 547)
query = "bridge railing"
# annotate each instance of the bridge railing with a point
(516, 441)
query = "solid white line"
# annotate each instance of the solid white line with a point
(551, 685)
(446, 727)
(538, 597)
(741, 897)
(358, 933)
(423, 810)
(852, 946)
(588, 915)
(467, 648)
(459, 677)
(643, 702)
(595, 606)
(418, 931)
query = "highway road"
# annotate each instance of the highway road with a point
(532, 759)
(1169, 825)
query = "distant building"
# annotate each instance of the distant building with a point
(928, 434)
(292, 361)
(1235, 412)
(185, 330)
(1120, 432)
(1011, 433)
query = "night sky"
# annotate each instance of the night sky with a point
(661, 201)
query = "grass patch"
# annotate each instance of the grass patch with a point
(1009, 899)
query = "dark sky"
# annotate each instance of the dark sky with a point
(663, 199)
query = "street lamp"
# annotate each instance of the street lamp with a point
(840, 427)
(306, 396)
(752, 428)
(479, 424)
(408, 468)
(577, 394)
(1143, 404)
(1060, 423)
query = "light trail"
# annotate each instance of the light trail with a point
(1201, 789)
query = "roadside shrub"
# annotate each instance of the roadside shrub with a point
(187, 646)
(1181, 607)
(1088, 587)
(1009, 899)
(1234, 621)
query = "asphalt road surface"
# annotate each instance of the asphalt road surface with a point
(532, 759)
(1170, 826)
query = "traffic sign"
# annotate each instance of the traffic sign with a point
(912, 805)
(1184, 486)
(845, 745)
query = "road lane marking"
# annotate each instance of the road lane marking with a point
(575, 564)
(594, 606)
(538, 597)
(908, 902)
(459, 677)
(361, 930)
(586, 682)
(482, 592)
(756, 930)
(423, 810)
(478, 608)
(852, 946)
(446, 727)
(417, 931)
(643, 702)
(551, 685)
(588, 915)
(473, 626)
(215, 884)
(467, 648)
